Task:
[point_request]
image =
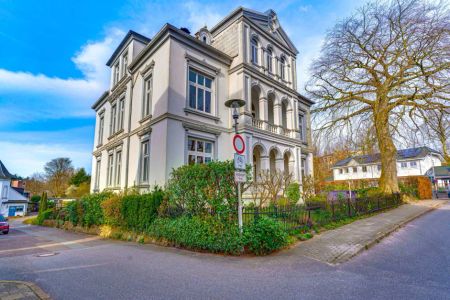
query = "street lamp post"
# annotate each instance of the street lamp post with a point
(235, 104)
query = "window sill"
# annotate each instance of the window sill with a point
(146, 118)
(202, 114)
(115, 134)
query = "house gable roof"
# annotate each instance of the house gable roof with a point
(402, 154)
(129, 36)
(267, 21)
(4, 173)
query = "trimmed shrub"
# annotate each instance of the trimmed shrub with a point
(73, 211)
(139, 211)
(199, 233)
(44, 215)
(196, 188)
(264, 236)
(112, 210)
(293, 192)
(92, 210)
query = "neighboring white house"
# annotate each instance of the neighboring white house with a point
(12, 203)
(165, 106)
(410, 162)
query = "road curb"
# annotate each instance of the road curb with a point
(386, 233)
(33, 287)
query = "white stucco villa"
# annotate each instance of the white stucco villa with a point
(12, 203)
(165, 105)
(410, 162)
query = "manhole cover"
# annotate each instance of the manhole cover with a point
(47, 254)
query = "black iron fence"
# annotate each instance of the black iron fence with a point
(298, 216)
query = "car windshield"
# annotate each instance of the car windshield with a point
(2, 218)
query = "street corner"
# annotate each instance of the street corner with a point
(21, 290)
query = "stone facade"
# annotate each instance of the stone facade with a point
(165, 106)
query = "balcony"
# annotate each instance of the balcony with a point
(276, 129)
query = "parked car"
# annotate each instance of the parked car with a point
(4, 226)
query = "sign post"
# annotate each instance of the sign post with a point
(239, 147)
(239, 174)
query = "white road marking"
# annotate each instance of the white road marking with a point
(66, 268)
(53, 244)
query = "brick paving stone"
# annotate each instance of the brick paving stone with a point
(341, 244)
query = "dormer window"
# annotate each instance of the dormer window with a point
(254, 49)
(283, 68)
(269, 60)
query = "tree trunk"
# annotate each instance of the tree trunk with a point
(388, 180)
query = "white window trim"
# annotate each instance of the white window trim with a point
(110, 171)
(148, 76)
(144, 139)
(98, 169)
(118, 167)
(202, 137)
(211, 72)
(101, 128)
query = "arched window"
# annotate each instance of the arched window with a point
(269, 59)
(254, 46)
(283, 68)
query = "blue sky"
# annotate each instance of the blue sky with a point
(54, 54)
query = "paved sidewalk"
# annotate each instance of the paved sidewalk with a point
(339, 245)
(21, 290)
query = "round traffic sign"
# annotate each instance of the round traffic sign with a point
(238, 144)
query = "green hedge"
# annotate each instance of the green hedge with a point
(196, 188)
(199, 233)
(139, 211)
(87, 211)
(209, 233)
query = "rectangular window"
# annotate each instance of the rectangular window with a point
(112, 125)
(118, 166)
(116, 73)
(404, 165)
(97, 174)
(254, 49)
(199, 151)
(346, 170)
(148, 90)
(110, 169)
(364, 169)
(341, 171)
(355, 170)
(145, 161)
(302, 127)
(200, 89)
(121, 113)
(124, 64)
(101, 127)
(303, 167)
(379, 167)
(5, 192)
(413, 164)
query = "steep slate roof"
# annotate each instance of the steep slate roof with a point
(4, 173)
(130, 34)
(402, 154)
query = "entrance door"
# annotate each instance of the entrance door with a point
(12, 211)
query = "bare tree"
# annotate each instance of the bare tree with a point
(58, 172)
(35, 184)
(378, 67)
(437, 127)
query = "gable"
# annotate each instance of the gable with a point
(269, 22)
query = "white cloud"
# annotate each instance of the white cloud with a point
(201, 15)
(75, 94)
(304, 8)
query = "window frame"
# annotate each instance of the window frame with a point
(101, 128)
(302, 125)
(254, 45)
(269, 60)
(112, 124)
(364, 169)
(413, 164)
(5, 192)
(203, 154)
(124, 64)
(147, 98)
(97, 173)
(142, 157)
(118, 167)
(110, 172)
(203, 87)
(403, 164)
(116, 74)
(120, 114)
(282, 67)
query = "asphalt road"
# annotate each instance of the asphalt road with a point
(412, 263)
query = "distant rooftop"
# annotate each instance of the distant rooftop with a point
(4, 173)
(402, 154)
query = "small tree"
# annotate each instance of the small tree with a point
(58, 172)
(43, 203)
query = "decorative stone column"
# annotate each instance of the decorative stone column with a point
(277, 115)
(279, 164)
(265, 164)
(263, 111)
